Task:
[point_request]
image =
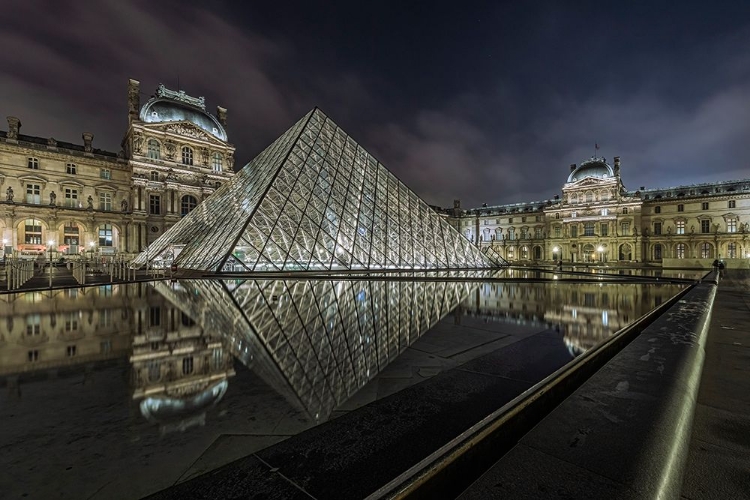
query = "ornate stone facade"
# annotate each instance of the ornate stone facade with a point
(74, 198)
(597, 220)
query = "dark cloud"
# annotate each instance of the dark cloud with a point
(482, 103)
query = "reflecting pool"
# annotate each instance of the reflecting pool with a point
(118, 391)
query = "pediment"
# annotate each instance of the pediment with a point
(183, 129)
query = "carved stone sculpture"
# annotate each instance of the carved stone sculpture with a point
(170, 149)
(230, 162)
(137, 143)
(90, 201)
(124, 205)
(52, 198)
(9, 194)
(204, 157)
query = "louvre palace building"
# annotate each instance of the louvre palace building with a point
(598, 220)
(75, 198)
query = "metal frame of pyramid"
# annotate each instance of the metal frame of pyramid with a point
(315, 200)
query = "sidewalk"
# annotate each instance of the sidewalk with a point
(719, 459)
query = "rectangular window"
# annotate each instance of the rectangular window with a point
(657, 210)
(154, 204)
(657, 228)
(105, 201)
(71, 198)
(33, 232)
(154, 316)
(71, 351)
(625, 210)
(105, 235)
(605, 211)
(537, 232)
(731, 225)
(705, 226)
(33, 194)
(105, 317)
(524, 233)
(588, 229)
(731, 204)
(33, 324)
(71, 322)
(33, 163)
(704, 205)
(680, 226)
(557, 231)
(70, 168)
(572, 214)
(33, 356)
(604, 229)
(105, 173)
(732, 250)
(625, 228)
(510, 220)
(680, 207)
(538, 218)
(574, 231)
(523, 219)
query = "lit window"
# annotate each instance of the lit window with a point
(154, 151)
(33, 194)
(605, 211)
(33, 232)
(105, 235)
(71, 198)
(187, 156)
(70, 168)
(105, 173)
(732, 225)
(105, 201)
(680, 226)
(680, 253)
(71, 237)
(573, 214)
(33, 163)
(706, 250)
(217, 162)
(732, 250)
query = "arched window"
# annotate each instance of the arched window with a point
(680, 251)
(105, 235)
(188, 203)
(707, 250)
(187, 155)
(217, 162)
(605, 195)
(574, 198)
(154, 152)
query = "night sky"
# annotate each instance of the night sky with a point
(482, 101)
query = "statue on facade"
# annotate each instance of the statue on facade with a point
(137, 143)
(52, 198)
(9, 194)
(90, 201)
(170, 149)
(230, 161)
(124, 205)
(204, 157)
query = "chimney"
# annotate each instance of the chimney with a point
(557, 196)
(572, 166)
(14, 125)
(221, 114)
(134, 99)
(87, 138)
(617, 165)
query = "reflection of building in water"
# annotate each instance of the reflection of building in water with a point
(587, 313)
(317, 341)
(178, 370)
(58, 330)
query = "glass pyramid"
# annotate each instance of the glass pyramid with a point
(317, 342)
(315, 200)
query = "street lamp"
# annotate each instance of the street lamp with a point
(600, 249)
(49, 245)
(554, 253)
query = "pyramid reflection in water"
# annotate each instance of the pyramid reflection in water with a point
(316, 341)
(315, 200)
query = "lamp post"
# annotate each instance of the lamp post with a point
(600, 249)
(49, 246)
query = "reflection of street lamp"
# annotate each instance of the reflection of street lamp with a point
(50, 243)
(600, 249)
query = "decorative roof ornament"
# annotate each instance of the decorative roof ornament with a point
(180, 95)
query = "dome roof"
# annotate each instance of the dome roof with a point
(595, 167)
(171, 106)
